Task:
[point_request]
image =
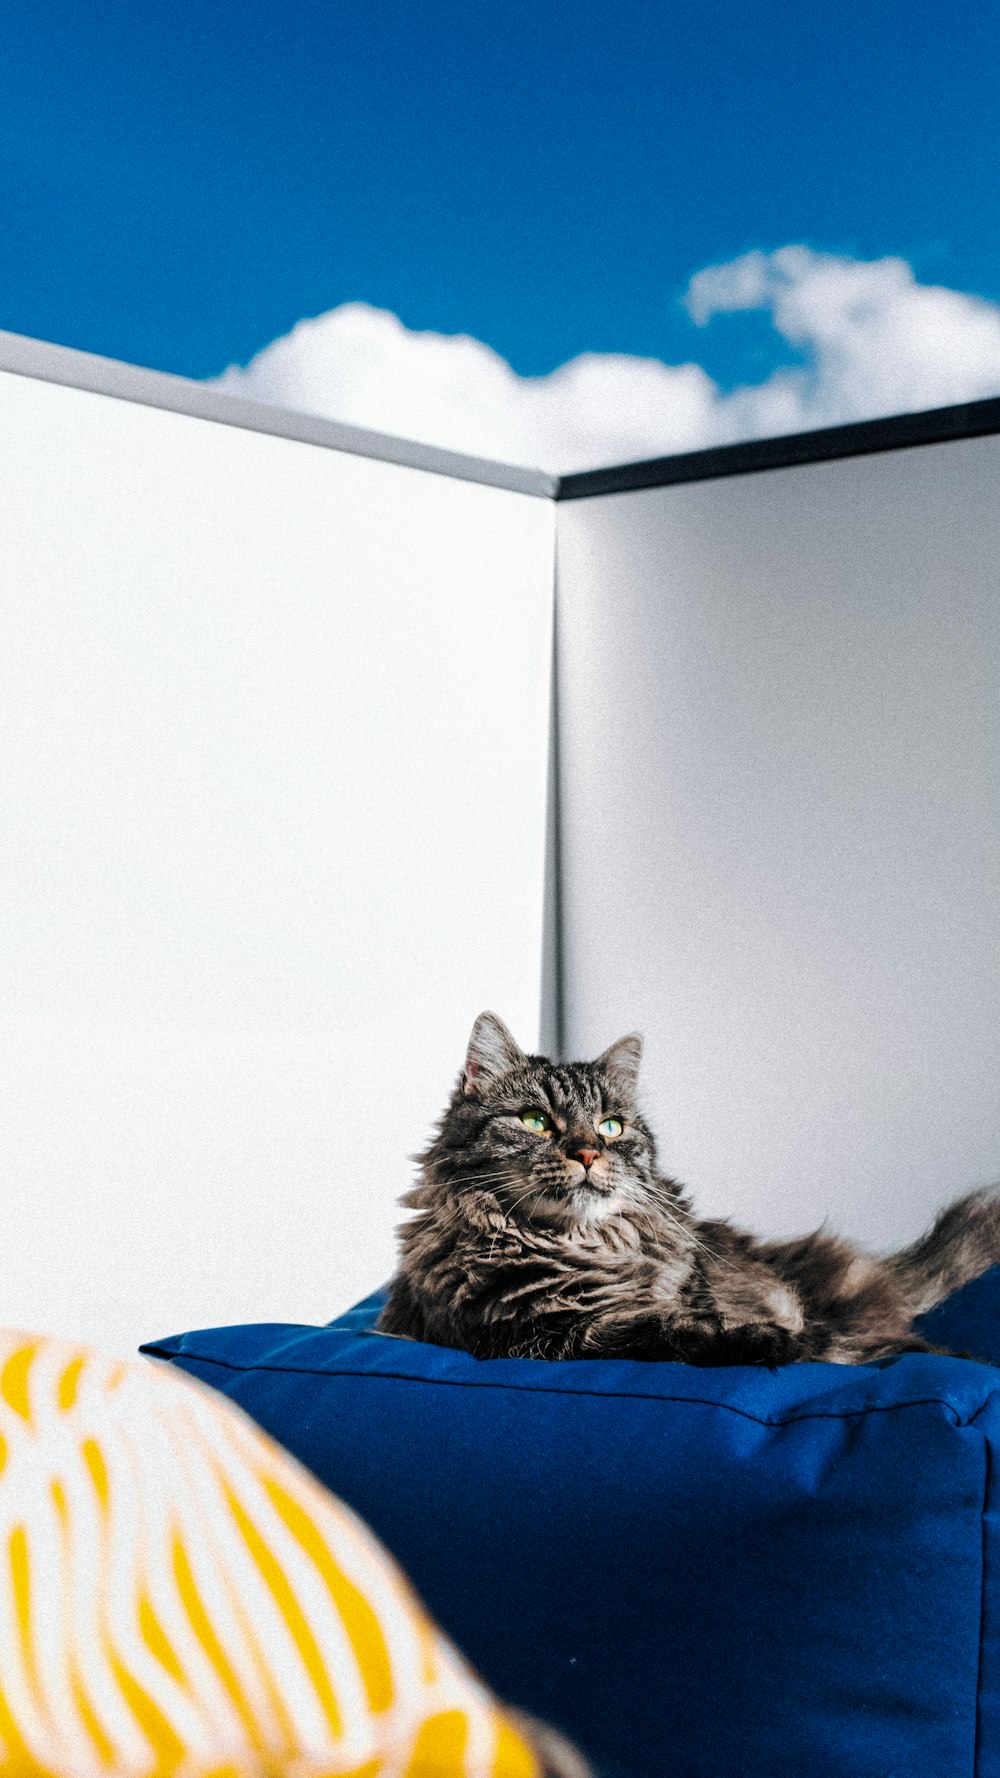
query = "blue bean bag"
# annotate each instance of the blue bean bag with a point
(735, 1573)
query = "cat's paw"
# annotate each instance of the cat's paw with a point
(750, 1343)
(756, 1342)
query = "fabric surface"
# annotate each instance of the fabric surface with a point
(725, 1574)
(177, 1596)
(969, 1321)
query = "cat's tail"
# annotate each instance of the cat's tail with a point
(963, 1243)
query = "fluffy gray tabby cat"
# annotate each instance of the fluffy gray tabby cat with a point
(544, 1228)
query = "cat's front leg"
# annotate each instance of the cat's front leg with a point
(754, 1342)
(679, 1339)
(760, 1318)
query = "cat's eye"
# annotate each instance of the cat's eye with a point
(610, 1127)
(537, 1121)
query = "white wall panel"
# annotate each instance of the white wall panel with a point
(780, 751)
(273, 739)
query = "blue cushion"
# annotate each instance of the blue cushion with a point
(969, 1321)
(731, 1574)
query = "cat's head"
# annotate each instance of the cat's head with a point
(555, 1140)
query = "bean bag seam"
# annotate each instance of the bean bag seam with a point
(987, 1477)
(790, 1419)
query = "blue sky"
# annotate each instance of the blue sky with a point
(180, 184)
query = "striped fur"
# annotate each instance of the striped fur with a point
(177, 1596)
(564, 1242)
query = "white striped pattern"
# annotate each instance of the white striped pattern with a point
(178, 1596)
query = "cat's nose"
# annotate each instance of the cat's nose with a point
(580, 1153)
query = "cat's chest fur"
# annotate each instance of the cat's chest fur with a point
(608, 1226)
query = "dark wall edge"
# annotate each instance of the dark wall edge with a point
(970, 419)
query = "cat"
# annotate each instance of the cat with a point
(544, 1228)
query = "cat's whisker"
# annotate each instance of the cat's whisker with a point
(493, 1178)
(512, 1206)
(533, 1188)
(482, 1182)
(699, 1245)
(533, 1192)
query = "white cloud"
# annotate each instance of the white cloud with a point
(873, 341)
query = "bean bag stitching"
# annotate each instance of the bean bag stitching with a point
(790, 1419)
(988, 1471)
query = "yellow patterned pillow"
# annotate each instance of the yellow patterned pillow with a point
(178, 1596)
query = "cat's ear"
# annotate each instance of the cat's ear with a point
(622, 1060)
(492, 1053)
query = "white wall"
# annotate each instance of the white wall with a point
(780, 748)
(273, 734)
